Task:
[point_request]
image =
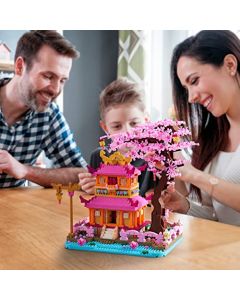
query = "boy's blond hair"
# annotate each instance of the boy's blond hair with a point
(118, 92)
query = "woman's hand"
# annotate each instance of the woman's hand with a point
(173, 200)
(188, 172)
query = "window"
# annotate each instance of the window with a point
(97, 213)
(102, 180)
(112, 180)
(158, 83)
(123, 181)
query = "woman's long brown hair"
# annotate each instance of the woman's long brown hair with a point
(207, 47)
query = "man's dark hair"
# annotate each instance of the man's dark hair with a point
(31, 42)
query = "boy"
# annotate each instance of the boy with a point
(121, 109)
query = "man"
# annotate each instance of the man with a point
(30, 121)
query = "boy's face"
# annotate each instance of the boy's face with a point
(122, 118)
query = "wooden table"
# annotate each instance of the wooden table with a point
(33, 229)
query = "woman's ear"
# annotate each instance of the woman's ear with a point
(103, 126)
(231, 64)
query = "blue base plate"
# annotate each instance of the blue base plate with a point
(144, 251)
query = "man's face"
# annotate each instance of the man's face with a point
(44, 81)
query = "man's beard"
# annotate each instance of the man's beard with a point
(29, 98)
(32, 104)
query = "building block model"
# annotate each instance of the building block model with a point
(116, 222)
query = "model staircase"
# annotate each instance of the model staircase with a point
(109, 233)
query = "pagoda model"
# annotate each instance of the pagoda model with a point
(116, 203)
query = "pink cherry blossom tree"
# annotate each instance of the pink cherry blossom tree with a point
(155, 142)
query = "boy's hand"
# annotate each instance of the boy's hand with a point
(87, 182)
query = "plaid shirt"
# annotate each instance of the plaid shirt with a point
(35, 132)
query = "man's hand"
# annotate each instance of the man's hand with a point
(9, 165)
(87, 182)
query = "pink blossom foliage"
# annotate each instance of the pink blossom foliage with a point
(153, 142)
(81, 242)
(133, 245)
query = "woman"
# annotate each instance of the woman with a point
(205, 72)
